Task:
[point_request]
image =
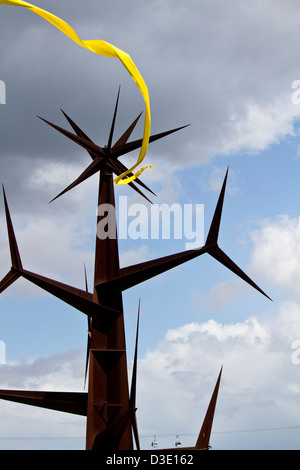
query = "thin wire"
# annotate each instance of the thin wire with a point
(258, 430)
(284, 428)
(228, 432)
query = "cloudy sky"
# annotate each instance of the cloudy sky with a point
(227, 69)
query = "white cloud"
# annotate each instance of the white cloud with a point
(221, 294)
(62, 371)
(134, 256)
(55, 176)
(259, 386)
(276, 252)
(212, 178)
(263, 125)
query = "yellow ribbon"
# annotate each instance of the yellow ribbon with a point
(103, 48)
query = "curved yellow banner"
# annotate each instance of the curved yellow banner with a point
(103, 48)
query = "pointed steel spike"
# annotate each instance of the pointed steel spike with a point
(68, 402)
(86, 144)
(135, 428)
(14, 250)
(130, 146)
(85, 278)
(204, 435)
(8, 280)
(211, 243)
(138, 181)
(118, 172)
(113, 122)
(122, 168)
(132, 185)
(125, 136)
(67, 293)
(77, 298)
(133, 275)
(132, 398)
(220, 256)
(122, 140)
(212, 237)
(71, 295)
(119, 169)
(88, 347)
(88, 351)
(77, 129)
(93, 168)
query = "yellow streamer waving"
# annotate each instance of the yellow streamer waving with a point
(103, 48)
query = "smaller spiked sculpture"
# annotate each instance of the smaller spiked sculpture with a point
(109, 405)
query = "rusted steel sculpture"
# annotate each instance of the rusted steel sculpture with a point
(109, 406)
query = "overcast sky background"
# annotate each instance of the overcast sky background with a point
(227, 69)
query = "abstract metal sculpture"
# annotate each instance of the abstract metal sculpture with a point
(109, 406)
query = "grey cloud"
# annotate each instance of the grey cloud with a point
(204, 63)
(25, 372)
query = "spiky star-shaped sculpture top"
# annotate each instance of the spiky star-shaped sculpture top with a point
(106, 158)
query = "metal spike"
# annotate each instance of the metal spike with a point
(212, 237)
(132, 398)
(93, 168)
(88, 347)
(130, 146)
(125, 136)
(68, 402)
(14, 250)
(86, 144)
(8, 280)
(113, 123)
(205, 432)
(76, 128)
(77, 298)
(133, 275)
(220, 256)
